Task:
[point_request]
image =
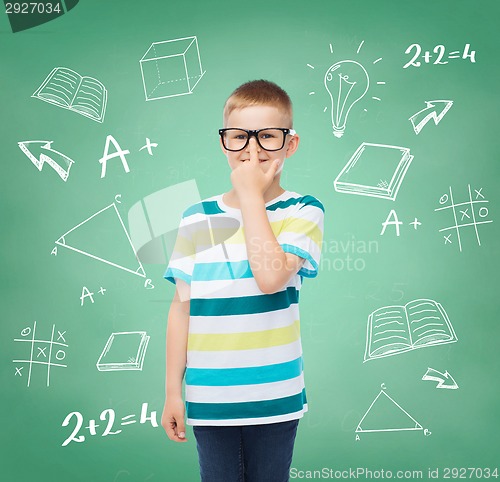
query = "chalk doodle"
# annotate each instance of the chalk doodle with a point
(392, 330)
(346, 83)
(393, 220)
(386, 415)
(435, 110)
(121, 153)
(440, 51)
(467, 214)
(148, 146)
(108, 416)
(41, 152)
(124, 351)
(106, 249)
(86, 293)
(374, 170)
(40, 352)
(445, 380)
(81, 94)
(171, 68)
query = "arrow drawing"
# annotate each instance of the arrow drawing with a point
(38, 154)
(445, 379)
(436, 109)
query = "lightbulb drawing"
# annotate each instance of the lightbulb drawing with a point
(347, 82)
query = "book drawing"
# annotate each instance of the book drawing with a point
(393, 330)
(124, 351)
(374, 170)
(81, 94)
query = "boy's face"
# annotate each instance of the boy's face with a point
(259, 117)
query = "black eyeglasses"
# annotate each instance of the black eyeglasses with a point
(270, 139)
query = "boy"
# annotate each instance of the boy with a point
(233, 326)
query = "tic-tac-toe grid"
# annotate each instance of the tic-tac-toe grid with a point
(469, 213)
(41, 352)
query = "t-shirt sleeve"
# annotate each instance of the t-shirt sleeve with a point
(302, 234)
(182, 260)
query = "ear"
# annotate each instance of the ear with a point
(293, 145)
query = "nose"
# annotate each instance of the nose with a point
(253, 138)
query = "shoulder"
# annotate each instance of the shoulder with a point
(307, 201)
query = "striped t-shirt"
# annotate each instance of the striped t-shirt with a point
(244, 354)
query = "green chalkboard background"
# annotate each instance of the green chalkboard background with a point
(292, 43)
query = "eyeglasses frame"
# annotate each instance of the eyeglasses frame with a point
(255, 133)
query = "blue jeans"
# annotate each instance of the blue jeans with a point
(248, 453)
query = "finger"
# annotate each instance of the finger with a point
(172, 435)
(180, 439)
(172, 430)
(254, 154)
(181, 430)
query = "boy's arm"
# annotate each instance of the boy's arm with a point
(272, 268)
(177, 335)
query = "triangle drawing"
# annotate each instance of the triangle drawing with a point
(103, 237)
(386, 415)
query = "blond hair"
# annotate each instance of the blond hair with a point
(259, 92)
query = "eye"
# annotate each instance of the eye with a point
(237, 135)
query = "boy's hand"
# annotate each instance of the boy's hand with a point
(172, 419)
(249, 178)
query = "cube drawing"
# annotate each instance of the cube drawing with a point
(171, 68)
